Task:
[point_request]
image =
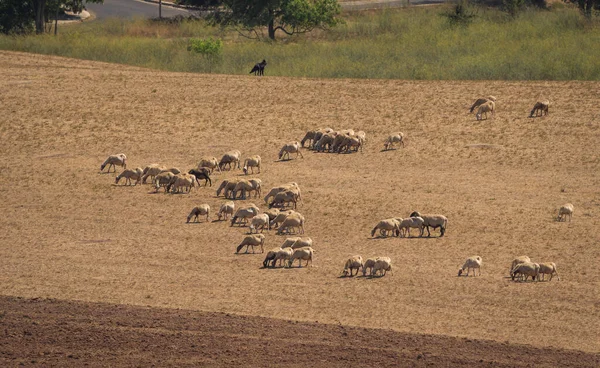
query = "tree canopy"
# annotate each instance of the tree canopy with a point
(588, 7)
(288, 16)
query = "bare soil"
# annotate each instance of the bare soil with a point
(69, 233)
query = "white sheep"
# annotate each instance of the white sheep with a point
(297, 242)
(183, 181)
(151, 171)
(481, 101)
(293, 147)
(283, 256)
(129, 174)
(489, 106)
(368, 265)
(173, 170)
(292, 221)
(353, 263)
(226, 208)
(382, 265)
(260, 221)
(245, 213)
(385, 226)
(253, 240)
(540, 108)
(392, 139)
(518, 260)
(210, 163)
(227, 186)
(433, 221)
(285, 187)
(411, 222)
(252, 162)
(162, 180)
(114, 160)
(203, 209)
(280, 217)
(284, 199)
(564, 211)
(525, 269)
(474, 263)
(229, 158)
(301, 254)
(548, 268)
(270, 257)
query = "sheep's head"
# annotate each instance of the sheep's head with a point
(460, 271)
(345, 272)
(415, 214)
(245, 169)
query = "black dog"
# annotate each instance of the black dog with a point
(259, 68)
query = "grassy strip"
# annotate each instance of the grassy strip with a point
(413, 43)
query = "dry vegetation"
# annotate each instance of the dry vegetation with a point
(69, 233)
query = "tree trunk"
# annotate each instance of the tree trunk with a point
(40, 7)
(271, 25)
(159, 9)
(56, 22)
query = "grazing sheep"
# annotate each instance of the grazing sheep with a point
(350, 143)
(548, 268)
(272, 213)
(151, 171)
(229, 158)
(484, 108)
(297, 242)
(282, 188)
(526, 269)
(283, 199)
(392, 139)
(294, 220)
(281, 216)
(162, 180)
(271, 257)
(260, 221)
(564, 211)
(355, 262)
(253, 240)
(226, 208)
(182, 181)
(201, 210)
(411, 222)
(209, 162)
(474, 263)
(326, 140)
(301, 254)
(114, 160)
(382, 265)
(129, 174)
(309, 136)
(201, 174)
(433, 221)
(518, 260)
(244, 213)
(318, 134)
(368, 265)
(540, 108)
(481, 101)
(283, 256)
(172, 170)
(227, 186)
(252, 162)
(293, 147)
(241, 186)
(388, 225)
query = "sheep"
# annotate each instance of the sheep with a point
(385, 226)
(301, 254)
(243, 186)
(114, 160)
(282, 199)
(325, 141)
(362, 137)
(518, 260)
(209, 162)
(226, 208)
(227, 186)
(151, 171)
(201, 210)
(348, 143)
(289, 186)
(201, 173)
(251, 162)
(259, 221)
(272, 213)
(162, 180)
(293, 147)
(411, 222)
(309, 136)
(297, 242)
(244, 213)
(392, 139)
(340, 138)
(526, 269)
(294, 220)
(368, 265)
(548, 268)
(179, 181)
(252, 241)
(382, 265)
(231, 157)
(481, 101)
(540, 108)
(270, 257)
(355, 262)
(283, 256)
(473, 262)
(433, 221)
(173, 170)
(129, 174)
(484, 108)
(281, 216)
(564, 211)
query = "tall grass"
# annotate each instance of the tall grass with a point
(411, 43)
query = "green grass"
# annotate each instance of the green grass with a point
(410, 43)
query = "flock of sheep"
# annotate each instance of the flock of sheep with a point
(282, 201)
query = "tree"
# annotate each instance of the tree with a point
(16, 16)
(586, 6)
(40, 13)
(288, 16)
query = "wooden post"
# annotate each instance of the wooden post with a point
(159, 9)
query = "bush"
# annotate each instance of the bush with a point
(461, 14)
(206, 47)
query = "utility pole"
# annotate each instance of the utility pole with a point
(159, 9)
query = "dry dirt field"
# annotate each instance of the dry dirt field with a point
(106, 261)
